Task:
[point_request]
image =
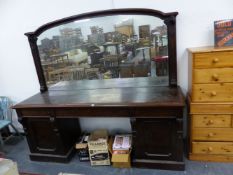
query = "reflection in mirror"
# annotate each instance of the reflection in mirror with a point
(121, 46)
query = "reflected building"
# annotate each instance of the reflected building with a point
(127, 49)
(70, 39)
(96, 36)
(49, 47)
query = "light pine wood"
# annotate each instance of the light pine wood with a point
(212, 148)
(211, 157)
(208, 121)
(211, 108)
(209, 49)
(215, 75)
(212, 134)
(213, 59)
(190, 74)
(221, 92)
(211, 103)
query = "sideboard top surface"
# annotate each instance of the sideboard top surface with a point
(138, 92)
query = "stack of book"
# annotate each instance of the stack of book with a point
(82, 148)
(121, 144)
(121, 149)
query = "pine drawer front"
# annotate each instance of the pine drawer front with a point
(216, 75)
(221, 92)
(207, 121)
(213, 59)
(211, 108)
(212, 134)
(212, 148)
(211, 157)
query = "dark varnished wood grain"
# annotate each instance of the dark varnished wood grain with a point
(157, 108)
(126, 94)
(50, 119)
(110, 83)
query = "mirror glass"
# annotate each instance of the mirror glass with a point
(118, 46)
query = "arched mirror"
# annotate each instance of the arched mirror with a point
(122, 43)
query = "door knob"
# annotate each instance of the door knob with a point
(213, 93)
(210, 122)
(215, 77)
(215, 60)
(210, 149)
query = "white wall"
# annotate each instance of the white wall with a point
(18, 78)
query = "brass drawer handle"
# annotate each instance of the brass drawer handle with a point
(215, 77)
(215, 60)
(213, 93)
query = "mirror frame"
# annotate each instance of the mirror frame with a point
(168, 18)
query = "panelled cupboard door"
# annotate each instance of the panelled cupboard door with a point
(50, 135)
(43, 136)
(155, 139)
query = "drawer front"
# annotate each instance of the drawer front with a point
(213, 59)
(221, 92)
(211, 121)
(212, 147)
(212, 134)
(35, 112)
(213, 75)
(209, 108)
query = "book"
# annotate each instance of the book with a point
(82, 148)
(122, 142)
(223, 33)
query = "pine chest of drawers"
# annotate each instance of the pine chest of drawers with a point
(211, 104)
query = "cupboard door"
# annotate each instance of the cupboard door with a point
(43, 136)
(154, 138)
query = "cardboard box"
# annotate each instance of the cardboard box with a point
(120, 159)
(223, 33)
(98, 148)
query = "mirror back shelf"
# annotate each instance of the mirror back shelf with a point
(119, 43)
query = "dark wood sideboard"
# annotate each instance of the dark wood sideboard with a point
(155, 107)
(51, 119)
